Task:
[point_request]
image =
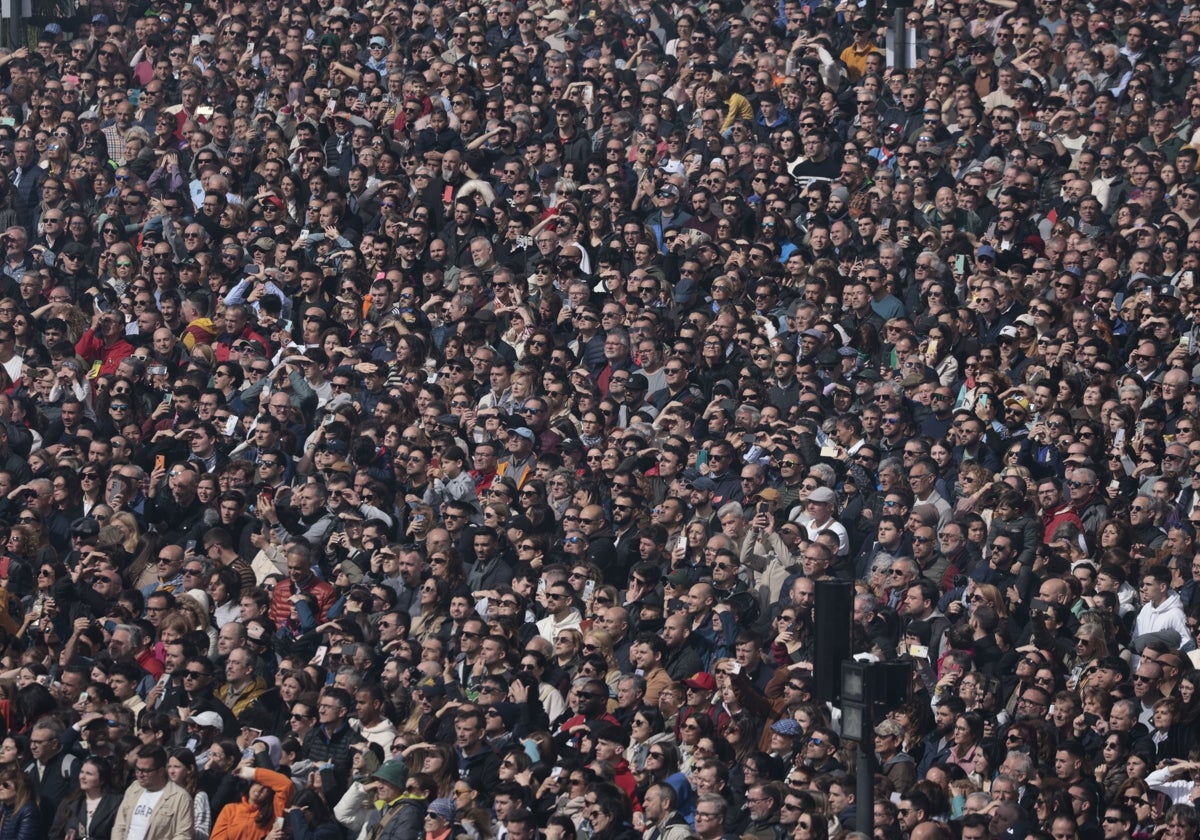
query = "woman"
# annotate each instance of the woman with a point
(439, 819)
(646, 729)
(567, 645)
(91, 483)
(181, 769)
(218, 778)
(309, 818)
(253, 817)
(663, 767)
(194, 605)
(966, 736)
(19, 815)
(1110, 773)
(600, 642)
(1136, 794)
(435, 609)
(14, 751)
(91, 810)
(225, 591)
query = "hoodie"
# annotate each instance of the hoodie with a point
(1168, 615)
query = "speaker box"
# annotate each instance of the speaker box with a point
(833, 612)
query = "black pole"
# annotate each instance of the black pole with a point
(864, 797)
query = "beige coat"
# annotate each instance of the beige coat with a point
(172, 817)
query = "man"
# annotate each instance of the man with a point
(54, 773)
(682, 659)
(398, 815)
(764, 802)
(1119, 820)
(330, 740)
(491, 568)
(611, 742)
(300, 579)
(105, 342)
(647, 654)
(711, 809)
(1146, 680)
(477, 763)
(243, 687)
(371, 724)
(1162, 610)
(153, 806)
(561, 611)
(663, 821)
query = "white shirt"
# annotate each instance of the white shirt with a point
(139, 822)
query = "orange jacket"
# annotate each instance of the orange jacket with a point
(238, 819)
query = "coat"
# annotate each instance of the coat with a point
(25, 824)
(238, 819)
(172, 817)
(402, 819)
(72, 814)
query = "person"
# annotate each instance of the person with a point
(254, 815)
(153, 806)
(339, 328)
(398, 814)
(19, 815)
(92, 810)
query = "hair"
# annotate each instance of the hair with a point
(21, 784)
(188, 759)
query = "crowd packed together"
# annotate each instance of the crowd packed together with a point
(433, 421)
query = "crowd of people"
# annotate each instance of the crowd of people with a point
(434, 420)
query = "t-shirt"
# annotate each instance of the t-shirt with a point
(140, 821)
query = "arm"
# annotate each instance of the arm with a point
(202, 815)
(238, 293)
(352, 808)
(1179, 790)
(279, 783)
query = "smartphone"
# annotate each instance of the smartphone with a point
(160, 462)
(701, 458)
(1038, 605)
(589, 589)
(918, 651)
(761, 508)
(1119, 438)
(735, 668)
(268, 493)
(960, 264)
(319, 656)
(556, 772)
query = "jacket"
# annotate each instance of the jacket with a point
(402, 819)
(172, 817)
(238, 819)
(72, 814)
(25, 824)
(246, 699)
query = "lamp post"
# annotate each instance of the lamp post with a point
(868, 691)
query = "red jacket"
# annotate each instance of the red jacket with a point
(91, 348)
(281, 606)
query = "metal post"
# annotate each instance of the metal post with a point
(864, 797)
(901, 38)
